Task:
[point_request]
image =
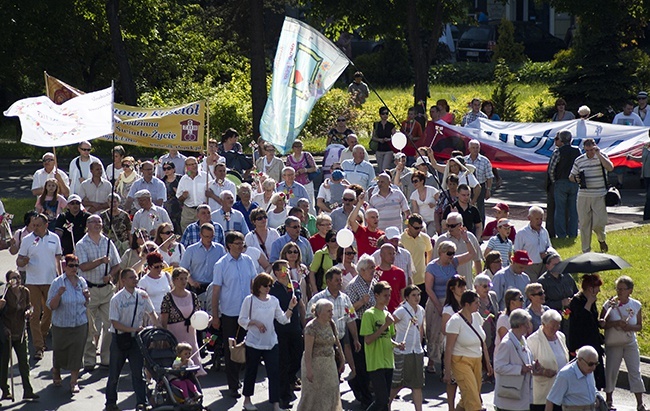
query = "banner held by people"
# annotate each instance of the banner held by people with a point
(47, 124)
(528, 146)
(306, 66)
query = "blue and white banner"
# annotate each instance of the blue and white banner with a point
(528, 146)
(306, 66)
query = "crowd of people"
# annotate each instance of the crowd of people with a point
(109, 251)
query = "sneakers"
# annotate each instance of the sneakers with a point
(31, 396)
(38, 355)
(112, 407)
(603, 246)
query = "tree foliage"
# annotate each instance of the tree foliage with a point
(504, 96)
(601, 69)
(507, 48)
(417, 22)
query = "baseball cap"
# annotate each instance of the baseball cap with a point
(521, 257)
(642, 94)
(392, 232)
(501, 207)
(74, 197)
(421, 160)
(504, 222)
(338, 175)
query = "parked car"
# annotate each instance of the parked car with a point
(478, 43)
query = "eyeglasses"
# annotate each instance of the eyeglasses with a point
(238, 243)
(589, 363)
(293, 251)
(450, 253)
(348, 200)
(157, 266)
(261, 218)
(166, 232)
(486, 286)
(74, 203)
(293, 226)
(453, 225)
(129, 166)
(190, 164)
(539, 294)
(333, 240)
(350, 253)
(642, 98)
(415, 180)
(85, 149)
(416, 227)
(150, 249)
(47, 160)
(71, 265)
(340, 120)
(168, 168)
(147, 169)
(266, 285)
(521, 298)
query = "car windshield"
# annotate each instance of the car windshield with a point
(477, 33)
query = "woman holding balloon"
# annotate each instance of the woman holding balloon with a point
(177, 309)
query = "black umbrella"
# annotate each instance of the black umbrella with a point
(591, 263)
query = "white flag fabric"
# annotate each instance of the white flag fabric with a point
(46, 124)
(306, 66)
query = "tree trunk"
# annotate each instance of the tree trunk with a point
(258, 67)
(418, 53)
(129, 94)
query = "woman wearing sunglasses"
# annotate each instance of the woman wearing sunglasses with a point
(536, 296)
(171, 250)
(513, 299)
(157, 282)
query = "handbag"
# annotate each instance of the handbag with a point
(618, 338)
(238, 351)
(318, 277)
(338, 355)
(316, 174)
(511, 386)
(125, 340)
(374, 144)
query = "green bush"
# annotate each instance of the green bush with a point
(507, 49)
(538, 72)
(504, 96)
(461, 73)
(389, 67)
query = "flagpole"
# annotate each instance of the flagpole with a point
(47, 93)
(433, 172)
(110, 209)
(207, 145)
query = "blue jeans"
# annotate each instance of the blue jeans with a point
(136, 362)
(646, 209)
(272, 362)
(566, 209)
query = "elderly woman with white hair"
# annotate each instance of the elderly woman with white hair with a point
(263, 197)
(269, 163)
(488, 307)
(514, 365)
(548, 345)
(277, 212)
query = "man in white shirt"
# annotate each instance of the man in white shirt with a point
(95, 191)
(149, 216)
(628, 117)
(80, 167)
(191, 191)
(218, 186)
(358, 170)
(535, 240)
(50, 170)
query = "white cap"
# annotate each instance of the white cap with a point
(392, 232)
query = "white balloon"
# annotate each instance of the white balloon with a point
(399, 140)
(345, 238)
(200, 320)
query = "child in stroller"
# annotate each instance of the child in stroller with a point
(182, 362)
(159, 349)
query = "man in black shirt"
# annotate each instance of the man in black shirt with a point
(471, 216)
(70, 226)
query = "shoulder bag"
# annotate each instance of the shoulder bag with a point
(125, 340)
(374, 144)
(316, 174)
(486, 359)
(615, 337)
(338, 355)
(511, 386)
(238, 351)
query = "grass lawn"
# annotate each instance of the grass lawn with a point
(18, 207)
(632, 245)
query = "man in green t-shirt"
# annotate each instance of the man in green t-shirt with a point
(378, 330)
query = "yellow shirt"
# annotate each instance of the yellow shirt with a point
(417, 246)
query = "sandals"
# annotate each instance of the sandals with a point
(56, 377)
(610, 406)
(431, 369)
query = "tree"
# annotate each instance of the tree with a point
(507, 48)
(504, 96)
(121, 56)
(601, 67)
(418, 22)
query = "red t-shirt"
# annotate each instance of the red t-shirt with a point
(397, 280)
(317, 242)
(366, 240)
(491, 230)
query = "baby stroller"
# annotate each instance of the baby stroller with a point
(158, 348)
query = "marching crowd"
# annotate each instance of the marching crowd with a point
(389, 271)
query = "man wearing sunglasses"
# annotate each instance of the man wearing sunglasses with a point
(454, 234)
(98, 269)
(80, 166)
(575, 387)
